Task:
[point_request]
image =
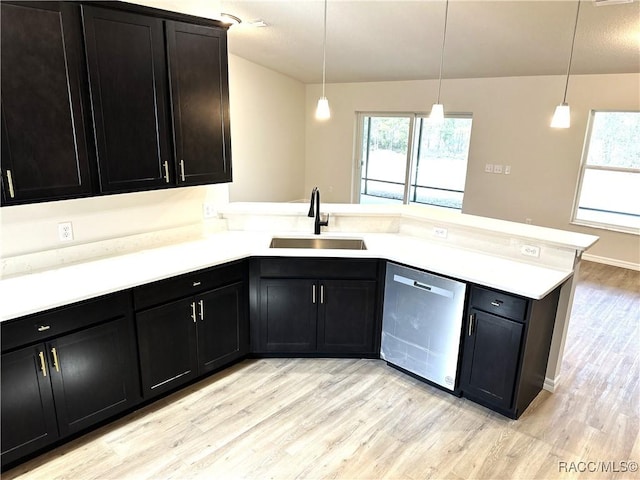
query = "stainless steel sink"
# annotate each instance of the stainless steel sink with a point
(320, 242)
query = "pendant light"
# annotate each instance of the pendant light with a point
(562, 115)
(322, 110)
(437, 110)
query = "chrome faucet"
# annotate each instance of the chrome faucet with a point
(314, 210)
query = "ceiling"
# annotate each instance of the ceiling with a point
(378, 40)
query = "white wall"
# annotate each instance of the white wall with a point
(267, 133)
(510, 126)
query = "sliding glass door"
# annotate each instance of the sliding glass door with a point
(404, 158)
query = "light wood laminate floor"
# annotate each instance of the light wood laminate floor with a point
(350, 419)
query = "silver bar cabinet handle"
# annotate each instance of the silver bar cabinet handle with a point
(321, 293)
(472, 317)
(313, 293)
(12, 193)
(193, 311)
(201, 309)
(166, 171)
(182, 170)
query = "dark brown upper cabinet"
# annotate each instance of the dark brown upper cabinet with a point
(110, 97)
(200, 103)
(44, 145)
(128, 82)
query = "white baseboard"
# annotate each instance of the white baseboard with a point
(550, 384)
(611, 261)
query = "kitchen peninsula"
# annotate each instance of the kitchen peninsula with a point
(199, 269)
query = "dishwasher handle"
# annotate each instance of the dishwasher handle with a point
(423, 286)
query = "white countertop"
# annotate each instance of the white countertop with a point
(35, 292)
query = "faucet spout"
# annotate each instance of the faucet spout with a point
(312, 202)
(314, 211)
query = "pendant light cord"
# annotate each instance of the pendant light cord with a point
(573, 41)
(444, 36)
(324, 49)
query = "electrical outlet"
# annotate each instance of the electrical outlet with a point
(208, 210)
(528, 221)
(530, 251)
(507, 169)
(65, 231)
(440, 232)
(488, 168)
(497, 168)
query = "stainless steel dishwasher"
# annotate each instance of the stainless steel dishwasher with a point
(421, 324)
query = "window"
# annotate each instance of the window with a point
(404, 158)
(608, 194)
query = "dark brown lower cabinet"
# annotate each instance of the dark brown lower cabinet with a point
(186, 338)
(492, 352)
(167, 347)
(28, 413)
(315, 306)
(56, 388)
(287, 315)
(222, 330)
(346, 316)
(506, 346)
(71, 368)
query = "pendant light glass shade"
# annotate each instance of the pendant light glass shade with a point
(323, 112)
(561, 117)
(437, 113)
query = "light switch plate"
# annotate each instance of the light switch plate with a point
(488, 168)
(497, 168)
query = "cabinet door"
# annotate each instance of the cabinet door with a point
(44, 150)
(93, 373)
(127, 76)
(346, 318)
(200, 101)
(167, 346)
(490, 358)
(288, 315)
(221, 314)
(28, 415)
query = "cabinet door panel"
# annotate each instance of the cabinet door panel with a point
(347, 316)
(219, 334)
(127, 75)
(167, 346)
(491, 358)
(28, 415)
(199, 95)
(288, 315)
(93, 374)
(44, 150)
